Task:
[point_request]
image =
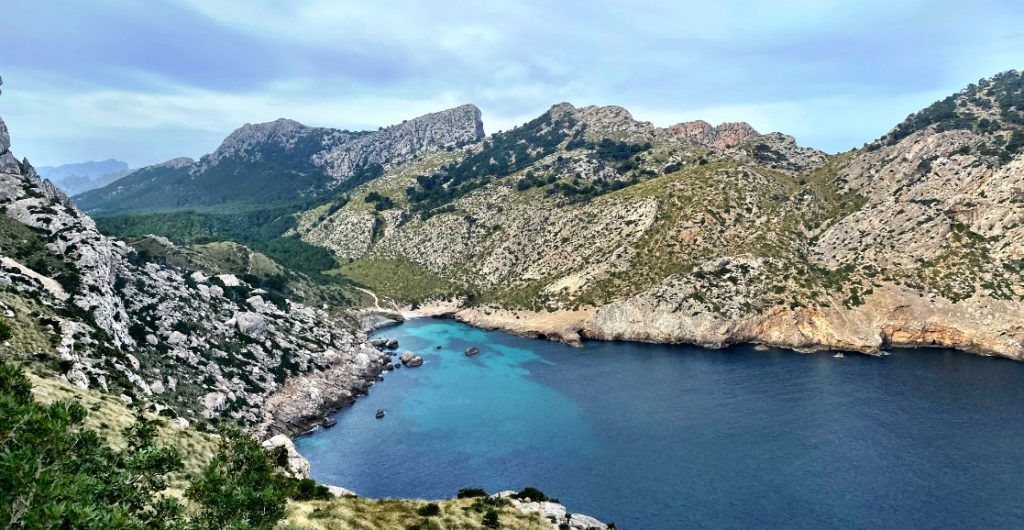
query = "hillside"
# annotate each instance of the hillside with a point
(587, 223)
(281, 163)
(125, 372)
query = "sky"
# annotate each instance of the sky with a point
(149, 80)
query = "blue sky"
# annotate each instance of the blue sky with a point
(149, 80)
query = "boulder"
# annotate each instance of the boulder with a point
(391, 344)
(251, 324)
(296, 466)
(329, 422)
(410, 359)
(229, 280)
(176, 337)
(338, 491)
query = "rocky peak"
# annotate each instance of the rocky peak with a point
(610, 120)
(724, 136)
(397, 144)
(281, 131)
(176, 163)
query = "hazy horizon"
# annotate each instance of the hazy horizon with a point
(147, 83)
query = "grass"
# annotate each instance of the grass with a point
(108, 415)
(400, 280)
(353, 513)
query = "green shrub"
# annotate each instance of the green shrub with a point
(468, 493)
(57, 474)
(5, 330)
(531, 493)
(429, 510)
(491, 519)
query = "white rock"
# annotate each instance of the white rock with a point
(298, 466)
(229, 280)
(176, 337)
(251, 324)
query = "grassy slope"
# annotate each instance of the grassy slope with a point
(351, 513)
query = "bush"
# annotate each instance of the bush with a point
(239, 487)
(5, 330)
(469, 493)
(491, 519)
(531, 493)
(307, 489)
(57, 474)
(429, 510)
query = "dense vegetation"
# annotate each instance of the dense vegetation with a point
(504, 153)
(261, 230)
(267, 174)
(1005, 91)
(56, 473)
(27, 246)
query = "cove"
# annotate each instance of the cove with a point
(664, 437)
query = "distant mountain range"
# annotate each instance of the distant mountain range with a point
(84, 176)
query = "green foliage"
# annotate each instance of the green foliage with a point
(381, 202)
(620, 153)
(1006, 90)
(533, 494)
(27, 246)
(504, 153)
(239, 488)
(400, 280)
(469, 493)
(267, 174)
(429, 510)
(491, 519)
(260, 230)
(307, 490)
(56, 474)
(5, 330)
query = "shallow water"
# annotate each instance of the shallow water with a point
(654, 437)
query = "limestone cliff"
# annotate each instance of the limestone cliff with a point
(92, 310)
(585, 222)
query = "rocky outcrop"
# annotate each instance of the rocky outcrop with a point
(296, 466)
(168, 338)
(724, 136)
(306, 399)
(891, 317)
(554, 513)
(394, 145)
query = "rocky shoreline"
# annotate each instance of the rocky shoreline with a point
(892, 317)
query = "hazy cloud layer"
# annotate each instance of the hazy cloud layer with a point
(147, 81)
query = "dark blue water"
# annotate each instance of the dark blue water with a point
(655, 437)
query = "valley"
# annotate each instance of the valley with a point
(237, 290)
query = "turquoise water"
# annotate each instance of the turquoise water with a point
(665, 437)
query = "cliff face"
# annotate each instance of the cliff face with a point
(93, 311)
(587, 222)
